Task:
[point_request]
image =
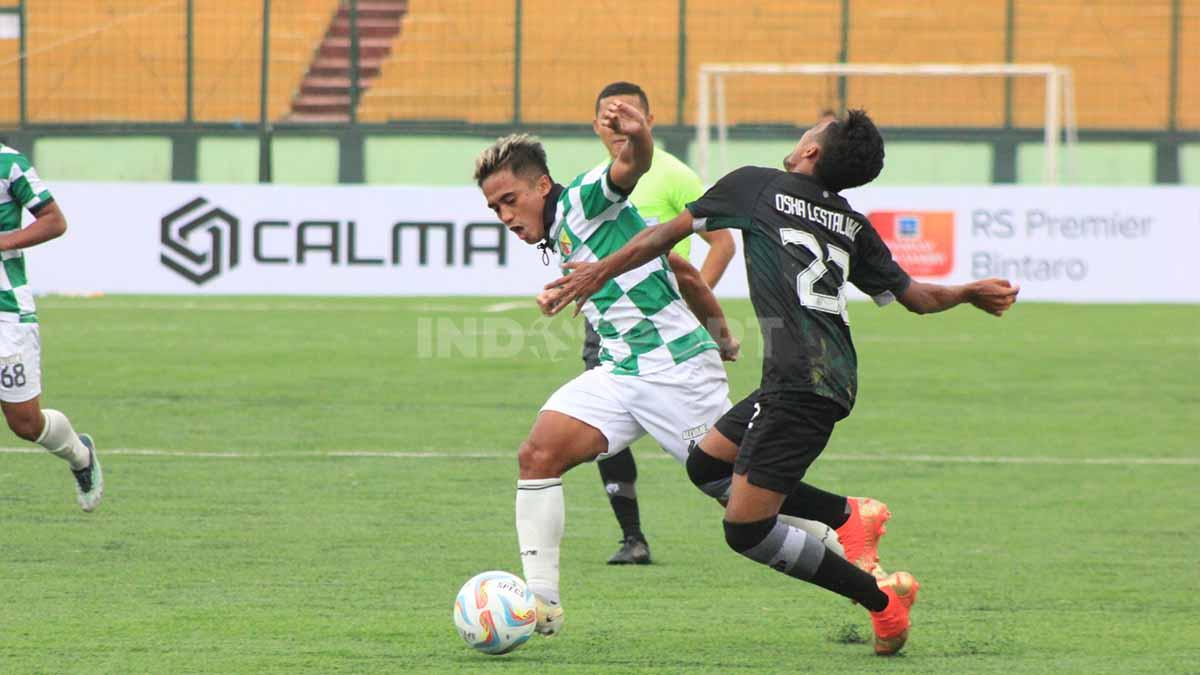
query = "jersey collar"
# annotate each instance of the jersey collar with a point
(550, 219)
(826, 193)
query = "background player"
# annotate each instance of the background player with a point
(661, 194)
(803, 242)
(661, 371)
(20, 340)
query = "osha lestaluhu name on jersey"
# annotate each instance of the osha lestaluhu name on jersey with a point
(830, 220)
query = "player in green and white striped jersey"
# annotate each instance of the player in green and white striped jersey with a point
(661, 194)
(661, 370)
(20, 341)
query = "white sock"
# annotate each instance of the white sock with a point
(59, 437)
(822, 532)
(540, 518)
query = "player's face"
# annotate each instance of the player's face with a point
(808, 149)
(613, 141)
(518, 202)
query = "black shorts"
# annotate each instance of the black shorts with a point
(779, 435)
(591, 346)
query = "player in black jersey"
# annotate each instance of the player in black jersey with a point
(802, 243)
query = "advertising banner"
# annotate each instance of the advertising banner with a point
(1060, 244)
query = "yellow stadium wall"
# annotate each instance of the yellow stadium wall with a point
(126, 60)
(455, 60)
(1118, 50)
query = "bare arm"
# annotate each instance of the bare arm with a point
(634, 159)
(993, 296)
(49, 224)
(720, 252)
(587, 278)
(700, 299)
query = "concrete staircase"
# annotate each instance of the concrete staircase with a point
(324, 95)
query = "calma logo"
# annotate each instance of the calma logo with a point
(186, 250)
(921, 241)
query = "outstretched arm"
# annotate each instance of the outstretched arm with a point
(993, 296)
(636, 155)
(48, 224)
(700, 299)
(586, 279)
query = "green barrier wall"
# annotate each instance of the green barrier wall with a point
(129, 158)
(1189, 164)
(227, 159)
(1094, 164)
(304, 160)
(449, 160)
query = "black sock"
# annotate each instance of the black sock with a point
(618, 472)
(812, 503)
(796, 554)
(842, 577)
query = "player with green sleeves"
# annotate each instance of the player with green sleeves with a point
(660, 195)
(21, 190)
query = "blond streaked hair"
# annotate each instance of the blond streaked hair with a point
(522, 154)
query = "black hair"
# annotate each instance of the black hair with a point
(623, 89)
(520, 153)
(851, 152)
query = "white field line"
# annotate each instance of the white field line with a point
(511, 455)
(183, 305)
(748, 329)
(509, 306)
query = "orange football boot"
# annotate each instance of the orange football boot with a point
(861, 532)
(891, 623)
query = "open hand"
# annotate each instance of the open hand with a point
(994, 296)
(584, 281)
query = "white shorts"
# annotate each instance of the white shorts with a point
(675, 406)
(20, 362)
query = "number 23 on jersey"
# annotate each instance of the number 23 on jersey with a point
(806, 281)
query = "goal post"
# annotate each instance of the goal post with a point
(1059, 124)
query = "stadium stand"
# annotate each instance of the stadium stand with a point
(10, 83)
(108, 60)
(929, 31)
(453, 61)
(228, 59)
(775, 31)
(559, 72)
(229, 46)
(324, 94)
(1187, 107)
(1118, 50)
(124, 61)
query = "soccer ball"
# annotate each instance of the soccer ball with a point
(495, 612)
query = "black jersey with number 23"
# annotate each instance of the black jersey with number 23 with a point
(802, 243)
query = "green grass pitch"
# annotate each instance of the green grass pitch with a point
(255, 536)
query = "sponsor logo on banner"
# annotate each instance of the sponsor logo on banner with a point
(921, 241)
(197, 237)
(1072, 244)
(198, 258)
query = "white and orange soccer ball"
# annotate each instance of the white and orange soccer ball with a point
(495, 612)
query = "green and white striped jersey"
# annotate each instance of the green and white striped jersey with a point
(644, 325)
(22, 190)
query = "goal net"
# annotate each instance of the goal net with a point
(940, 100)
